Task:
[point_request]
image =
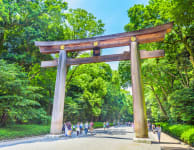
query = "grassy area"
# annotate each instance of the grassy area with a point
(183, 132)
(15, 131)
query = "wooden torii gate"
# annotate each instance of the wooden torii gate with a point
(131, 39)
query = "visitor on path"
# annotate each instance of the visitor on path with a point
(107, 124)
(63, 128)
(158, 130)
(86, 128)
(78, 129)
(91, 127)
(73, 128)
(81, 127)
(133, 126)
(150, 126)
(69, 128)
(153, 128)
(104, 125)
(66, 129)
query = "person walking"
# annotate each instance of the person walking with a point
(153, 128)
(66, 129)
(91, 127)
(81, 127)
(107, 124)
(86, 128)
(69, 128)
(63, 128)
(104, 125)
(78, 129)
(158, 130)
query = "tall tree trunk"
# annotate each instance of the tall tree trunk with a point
(159, 102)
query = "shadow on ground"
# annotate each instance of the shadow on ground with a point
(174, 148)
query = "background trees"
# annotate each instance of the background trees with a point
(27, 90)
(168, 81)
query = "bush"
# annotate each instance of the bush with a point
(184, 133)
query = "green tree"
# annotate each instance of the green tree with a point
(165, 75)
(18, 99)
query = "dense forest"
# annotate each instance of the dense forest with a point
(93, 91)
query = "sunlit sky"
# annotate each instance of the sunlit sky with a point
(113, 14)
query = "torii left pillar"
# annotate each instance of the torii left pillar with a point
(58, 103)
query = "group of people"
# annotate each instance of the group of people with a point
(68, 128)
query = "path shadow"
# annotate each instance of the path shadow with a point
(110, 137)
(112, 132)
(175, 148)
(154, 142)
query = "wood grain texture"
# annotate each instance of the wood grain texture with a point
(106, 58)
(148, 35)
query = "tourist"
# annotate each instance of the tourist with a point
(66, 129)
(81, 127)
(153, 128)
(107, 124)
(86, 128)
(73, 128)
(133, 126)
(69, 128)
(158, 130)
(150, 126)
(63, 128)
(104, 125)
(91, 127)
(78, 129)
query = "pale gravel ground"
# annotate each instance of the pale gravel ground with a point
(115, 139)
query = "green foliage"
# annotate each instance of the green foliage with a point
(100, 124)
(18, 99)
(183, 106)
(163, 78)
(182, 132)
(93, 92)
(18, 131)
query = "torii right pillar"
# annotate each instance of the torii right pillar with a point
(139, 108)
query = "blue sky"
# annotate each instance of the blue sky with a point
(113, 14)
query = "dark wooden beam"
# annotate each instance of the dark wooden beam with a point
(96, 51)
(148, 35)
(106, 58)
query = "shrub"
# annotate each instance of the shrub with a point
(15, 131)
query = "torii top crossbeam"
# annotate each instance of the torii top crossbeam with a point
(148, 35)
